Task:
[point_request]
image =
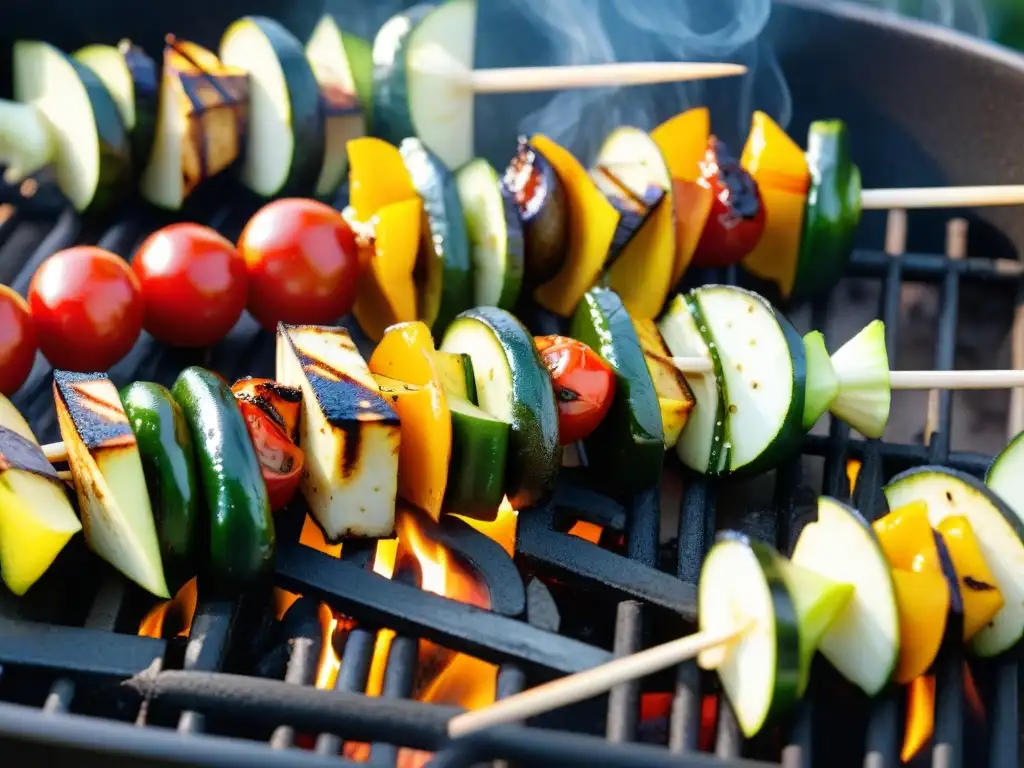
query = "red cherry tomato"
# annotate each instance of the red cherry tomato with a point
(584, 385)
(737, 217)
(303, 263)
(86, 308)
(193, 285)
(17, 341)
(280, 459)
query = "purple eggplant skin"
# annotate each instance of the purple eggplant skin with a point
(543, 210)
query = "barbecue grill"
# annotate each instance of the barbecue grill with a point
(78, 682)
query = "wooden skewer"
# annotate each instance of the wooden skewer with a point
(517, 79)
(55, 453)
(584, 685)
(942, 197)
(1008, 379)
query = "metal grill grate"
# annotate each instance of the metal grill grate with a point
(78, 663)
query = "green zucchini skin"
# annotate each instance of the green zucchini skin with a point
(392, 120)
(240, 534)
(628, 446)
(168, 462)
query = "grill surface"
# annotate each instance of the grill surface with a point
(65, 652)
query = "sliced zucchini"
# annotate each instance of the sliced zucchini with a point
(543, 207)
(642, 272)
(998, 529)
(343, 66)
(107, 469)
(702, 446)
(628, 446)
(349, 434)
(456, 373)
(284, 151)
(200, 125)
(132, 80)
(674, 395)
(91, 151)
(415, 55)
(1003, 476)
(764, 369)
(476, 475)
(743, 583)
(862, 367)
(863, 642)
(513, 386)
(822, 382)
(445, 250)
(36, 519)
(495, 235)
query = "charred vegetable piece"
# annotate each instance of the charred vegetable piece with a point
(446, 286)
(36, 519)
(387, 285)
(495, 235)
(281, 461)
(634, 208)
(349, 433)
(66, 118)
(923, 594)
(200, 126)
(543, 209)
(282, 404)
(584, 385)
(780, 169)
(406, 354)
(674, 395)
(285, 142)
(981, 596)
(592, 224)
(627, 448)
(642, 273)
(832, 213)
(132, 79)
(107, 469)
(342, 64)
(412, 88)
(683, 141)
(998, 529)
(168, 462)
(863, 642)
(512, 386)
(737, 219)
(241, 537)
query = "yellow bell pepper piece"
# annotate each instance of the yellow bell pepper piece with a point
(406, 355)
(922, 591)
(981, 594)
(36, 519)
(674, 395)
(377, 177)
(683, 139)
(780, 169)
(592, 223)
(387, 288)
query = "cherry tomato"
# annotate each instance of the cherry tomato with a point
(584, 385)
(280, 459)
(303, 263)
(737, 217)
(17, 341)
(193, 285)
(86, 308)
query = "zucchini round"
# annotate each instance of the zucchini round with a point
(513, 386)
(285, 142)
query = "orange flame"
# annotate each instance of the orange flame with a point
(585, 530)
(853, 472)
(180, 610)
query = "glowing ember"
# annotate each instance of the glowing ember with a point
(588, 531)
(175, 613)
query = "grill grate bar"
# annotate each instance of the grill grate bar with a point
(353, 674)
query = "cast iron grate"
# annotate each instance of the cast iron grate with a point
(62, 695)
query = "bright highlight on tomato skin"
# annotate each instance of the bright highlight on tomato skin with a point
(584, 385)
(86, 308)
